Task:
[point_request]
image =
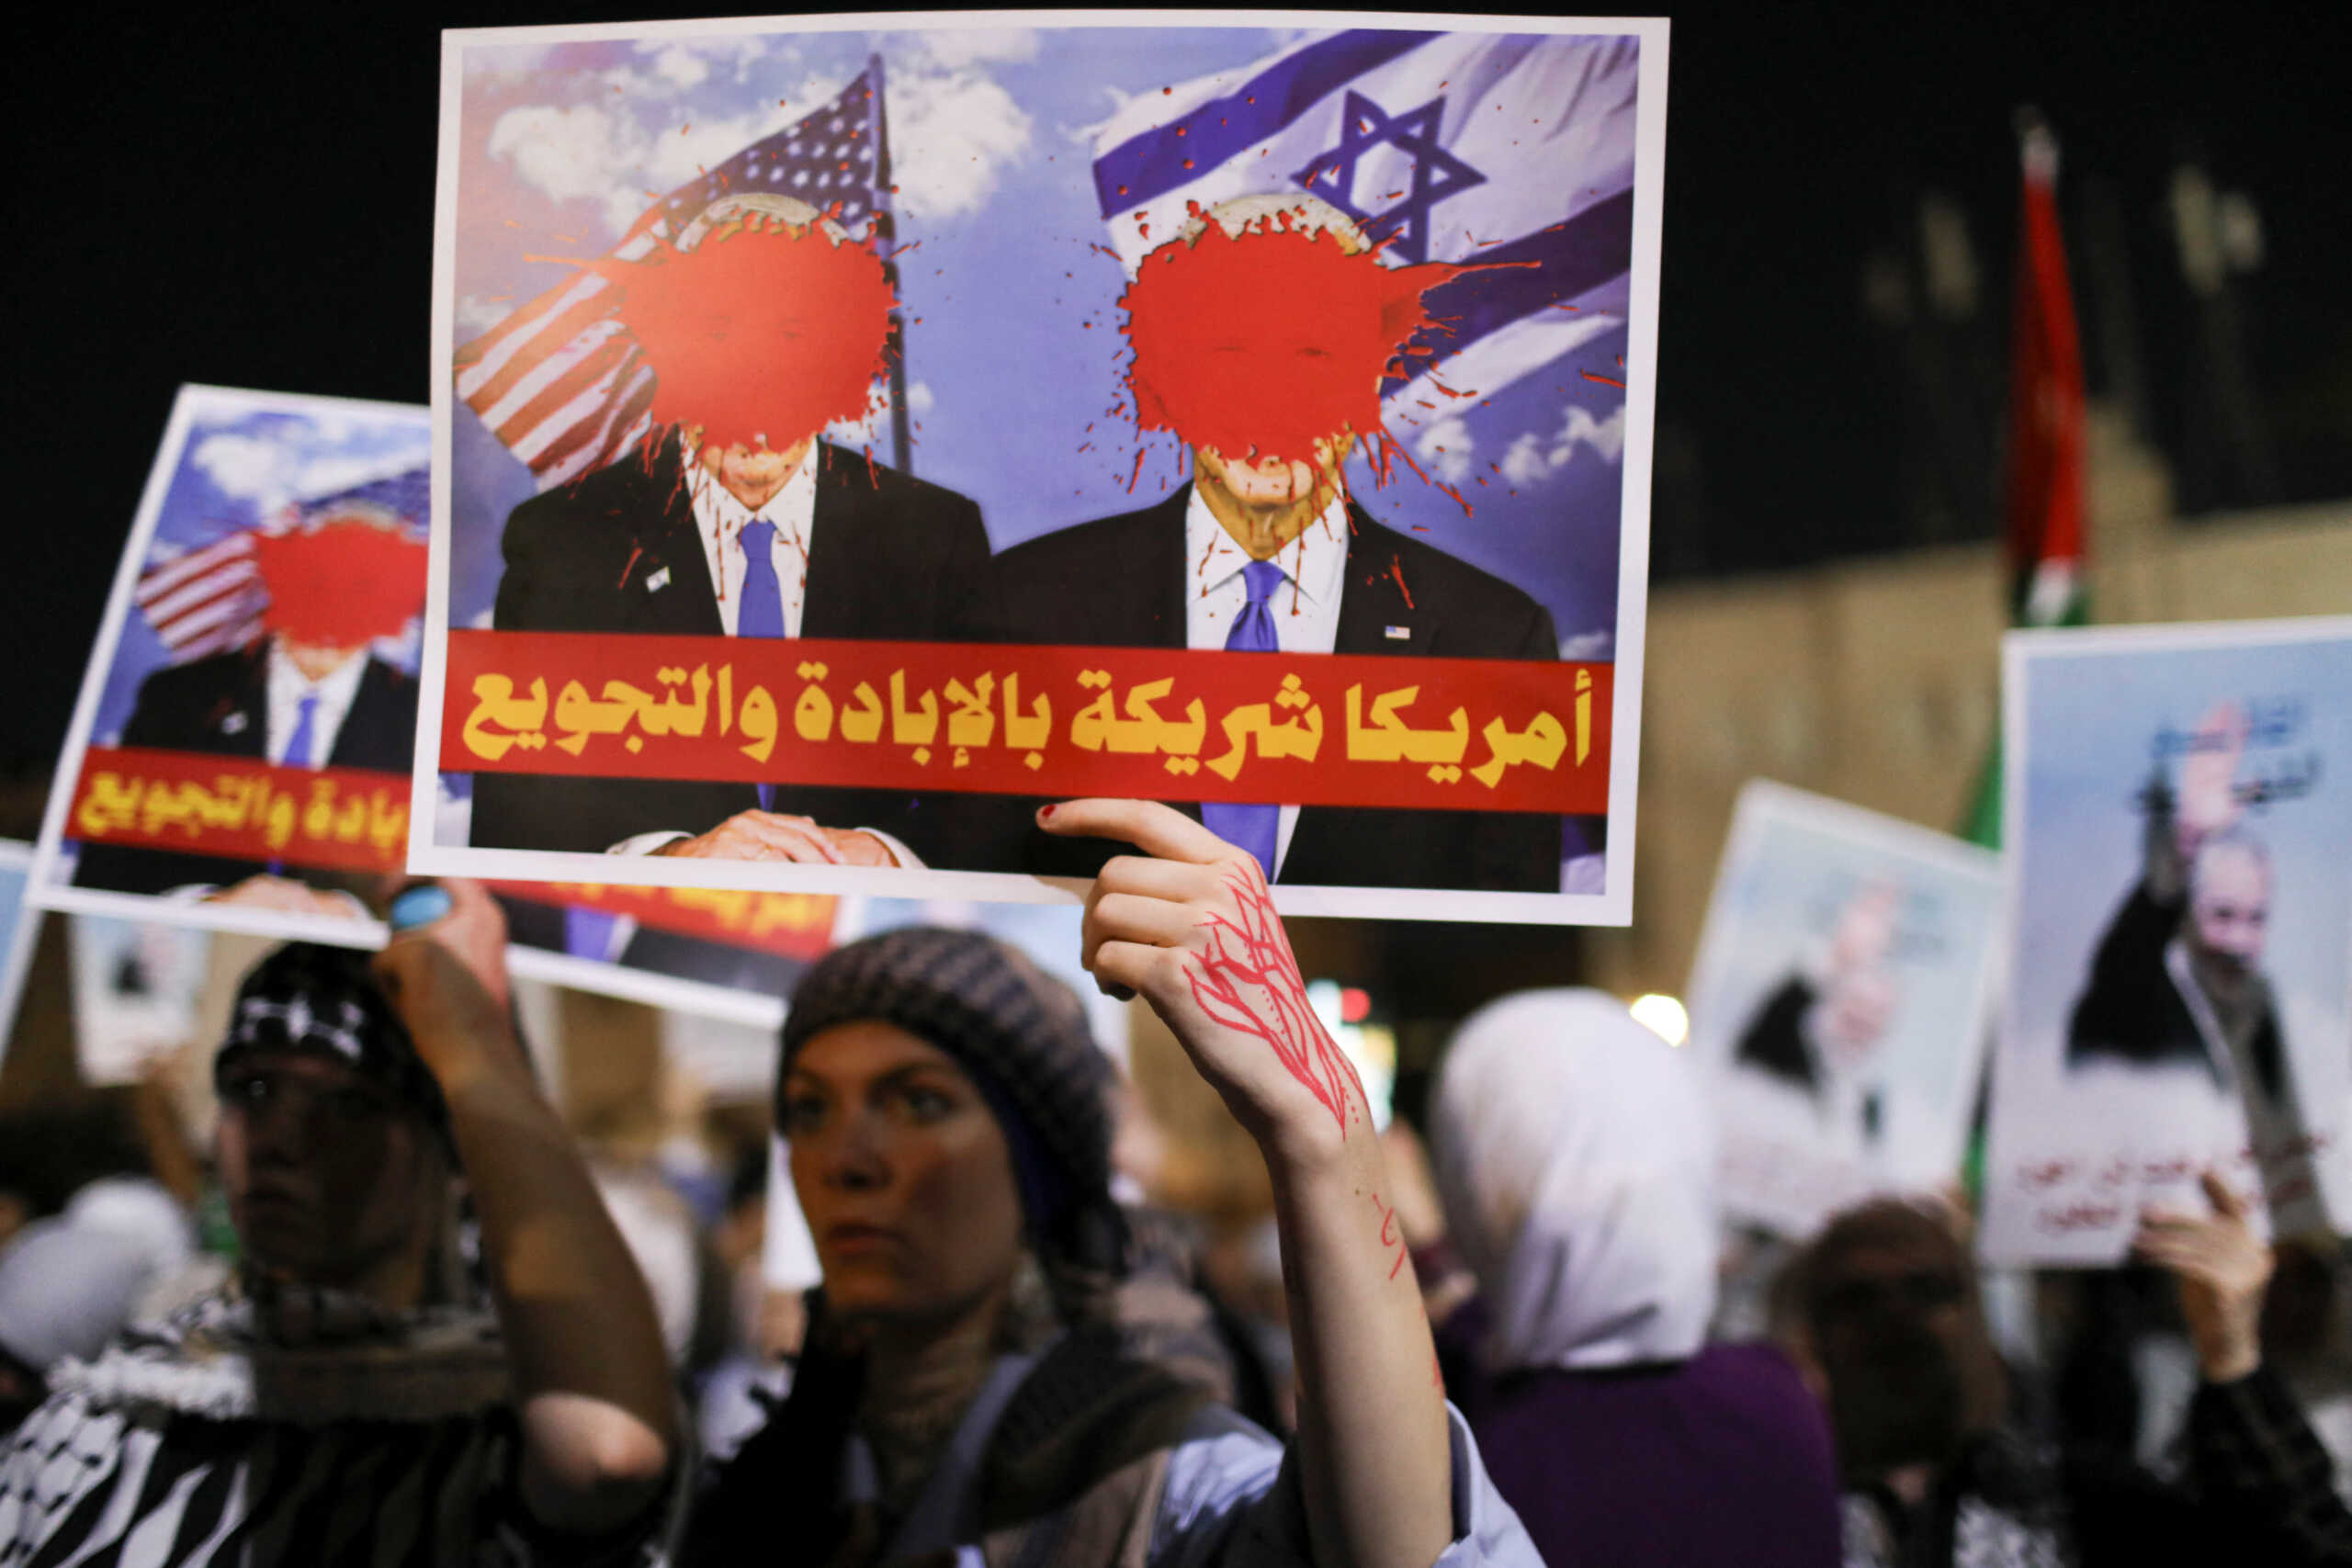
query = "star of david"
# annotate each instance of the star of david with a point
(1437, 173)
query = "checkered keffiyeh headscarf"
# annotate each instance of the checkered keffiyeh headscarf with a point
(325, 1000)
(1022, 1036)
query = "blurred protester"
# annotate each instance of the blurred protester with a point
(1576, 1158)
(71, 1282)
(1936, 1472)
(348, 1397)
(964, 1392)
(766, 1321)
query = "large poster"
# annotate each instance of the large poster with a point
(1840, 1001)
(858, 433)
(241, 756)
(19, 925)
(2179, 816)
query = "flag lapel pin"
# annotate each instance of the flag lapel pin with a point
(658, 581)
(233, 723)
(1400, 634)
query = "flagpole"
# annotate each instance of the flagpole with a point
(886, 237)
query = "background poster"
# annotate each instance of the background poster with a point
(1840, 1003)
(1014, 177)
(19, 926)
(2180, 887)
(241, 754)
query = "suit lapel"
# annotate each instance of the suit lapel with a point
(665, 582)
(1373, 604)
(1163, 549)
(239, 725)
(839, 543)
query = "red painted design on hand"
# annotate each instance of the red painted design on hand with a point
(1388, 1236)
(1248, 981)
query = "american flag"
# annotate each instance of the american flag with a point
(210, 598)
(564, 386)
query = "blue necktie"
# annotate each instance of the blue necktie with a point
(299, 744)
(1252, 828)
(298, 750)
(761, 613)
(588, 934)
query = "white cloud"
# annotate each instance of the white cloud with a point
(681, 65)
(874, 429)
(950, 135)
(1087, 135)
(919, 398)
(1444, 449)
(1531, 456)
(566, 152)
(954, 47)
(1597, 643)
(243, 467)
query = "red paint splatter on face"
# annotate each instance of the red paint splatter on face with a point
(1248, 981)
(757, 332)
(341, 584)
(1261, 343)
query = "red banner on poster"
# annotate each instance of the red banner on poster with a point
(1326, 729)
(794, 925)
(243, 809)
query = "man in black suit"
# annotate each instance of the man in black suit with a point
(1282, 542)
(275, 699)
(693, 538)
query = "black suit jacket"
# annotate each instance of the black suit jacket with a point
(220, 704)
(1773, 1041)
(2131, 1011)
(892, 559)
(1121, 582)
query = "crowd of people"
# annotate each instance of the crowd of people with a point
(434, 1343)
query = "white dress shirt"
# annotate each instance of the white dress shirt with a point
(286, 688)
(1305, 605)
(719, 519)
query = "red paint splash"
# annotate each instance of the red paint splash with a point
(341, 582)
(1604, 380)
(1262, 341)
(1248, 981)
(758, 331)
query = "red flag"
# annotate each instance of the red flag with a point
(2046, 447)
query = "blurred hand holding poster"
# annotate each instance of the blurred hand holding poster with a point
(1839, 1000)
(241, 756)
(688, 273)
(2181, 889)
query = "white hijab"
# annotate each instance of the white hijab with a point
(1574, 1154)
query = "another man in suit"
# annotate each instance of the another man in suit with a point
(2176, 980)
(1819, 1031)
(310, 694)
(1265, 551)
(716, 532)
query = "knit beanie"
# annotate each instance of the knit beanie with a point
(1020, 1034)
(325, 1000)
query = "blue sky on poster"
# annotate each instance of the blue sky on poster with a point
(2091, 722)
(1013, 330)
(237, 466)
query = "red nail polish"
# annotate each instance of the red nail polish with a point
(1045, 811)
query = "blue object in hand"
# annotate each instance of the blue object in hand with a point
(420, 906)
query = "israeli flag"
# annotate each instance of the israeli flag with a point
(1455, 147)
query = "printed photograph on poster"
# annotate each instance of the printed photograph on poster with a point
(241, 753)
(939, 415)
(19, 927)
(2179, 816)
(1842, 1003)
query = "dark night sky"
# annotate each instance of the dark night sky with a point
(244, 197)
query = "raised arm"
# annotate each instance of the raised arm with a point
(591, 1374)
(1193, 931)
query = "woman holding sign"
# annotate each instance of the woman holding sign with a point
(950, 1145)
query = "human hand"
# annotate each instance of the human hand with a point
(2222, 1268)
(771, 835)
(445, 975)
(2208, 795)
(1190, 926)
(287, 895)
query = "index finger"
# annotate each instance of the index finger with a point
(1155, 830)
(2222, 1196)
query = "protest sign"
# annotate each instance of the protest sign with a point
(19, 928)
(1840, 1002)
(950, 420)
(2180, 832)
(241, 756)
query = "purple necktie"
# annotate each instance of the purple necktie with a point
(299, 747)
(1252, 828)
(760, 613)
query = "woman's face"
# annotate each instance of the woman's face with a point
(903, 1173)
